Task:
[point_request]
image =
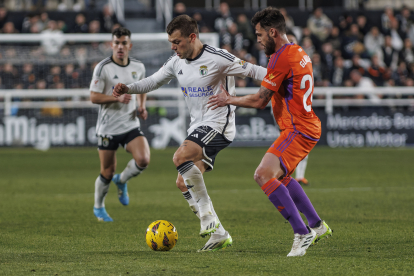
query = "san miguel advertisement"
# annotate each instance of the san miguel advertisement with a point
(359, 127)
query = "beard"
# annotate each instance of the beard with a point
(269, 46)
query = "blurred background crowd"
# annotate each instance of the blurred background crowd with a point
(351, 49)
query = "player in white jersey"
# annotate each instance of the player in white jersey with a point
(200, 70)
(117, 120)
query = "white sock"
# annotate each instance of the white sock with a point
(101, 189)
(193, 177)
(220, 230)
(301, 168)
(192, 199)
(193, 204)
(130, 171)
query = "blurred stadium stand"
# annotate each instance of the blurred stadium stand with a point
(355, 46)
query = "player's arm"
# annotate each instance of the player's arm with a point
(258, 100)
(151, 83)
(99, 98)
(142, 109)
(242, 69)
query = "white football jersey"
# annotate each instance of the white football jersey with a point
(116, 118)
(201, 77)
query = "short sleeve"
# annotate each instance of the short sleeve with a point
(276, 73)
(237, 68)
(98, 80)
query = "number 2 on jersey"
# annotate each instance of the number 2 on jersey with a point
(305, 78)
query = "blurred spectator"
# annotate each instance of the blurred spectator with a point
(405, 20)
(407, 53)
(288, 19)
(245, 28)
(80, 25)
(224, 21)
(233, 38)
(396, 36)
(179, 9)
(94, 27)
(319, 24)
(327, 56)
(71, 77)
(9, 28)
(339, 73)
(62, 26)
(107, 19)
(345, 21)
(360, 81)
(373, 41)
(31, 24)
(386, 18)
(389, 54)
(376, 72)
(28, 77)
(199, 18)
(307, 45)
(44, 20)
(352, 42)
(9, 75)
(363, 82)
(3, 16)
(2, 86)
(357, 64)
(52, 39)
(41, 84)
(319, 72)
(334, 38)
(55, 75)
(362, 24)
(315, 40)
(400, 75)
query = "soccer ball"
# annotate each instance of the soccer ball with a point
(161, 235)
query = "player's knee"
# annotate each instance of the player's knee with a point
(108, 173)
(178, 160)
(143, 162)
(262, 175)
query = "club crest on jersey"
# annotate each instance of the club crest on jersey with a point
(203, 70)
(184, 90)
(271, 76)
(134, 75)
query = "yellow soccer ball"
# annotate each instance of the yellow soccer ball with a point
(161, 235)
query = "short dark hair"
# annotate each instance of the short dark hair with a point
(121, 31)
(185, 24)
(270, 17)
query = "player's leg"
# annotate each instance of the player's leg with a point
(184, 158)
(188, 194)
(292, 154)
(136, 144)
(108, 164)
(267, 175)
(219, 239)
(300, 171)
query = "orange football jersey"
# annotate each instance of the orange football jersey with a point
(290, 75)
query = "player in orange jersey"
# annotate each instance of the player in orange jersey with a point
(289, 84)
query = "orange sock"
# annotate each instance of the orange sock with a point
(270, 186)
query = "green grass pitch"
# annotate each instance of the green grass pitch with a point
(47, 226)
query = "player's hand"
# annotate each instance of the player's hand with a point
(125, 98)
(219, 100)
(142, 113)
(119, 90)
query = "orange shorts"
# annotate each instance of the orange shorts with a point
(291, 147)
